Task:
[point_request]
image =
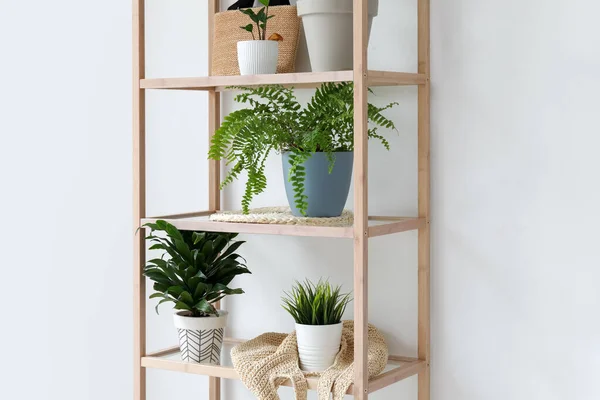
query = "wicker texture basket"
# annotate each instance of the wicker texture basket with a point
(227, 33)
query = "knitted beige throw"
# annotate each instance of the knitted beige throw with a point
(267, 361)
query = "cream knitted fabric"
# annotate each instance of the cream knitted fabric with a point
(267, 361)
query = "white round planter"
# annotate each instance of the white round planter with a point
(200, 339)
(328, 30)
(258, 57)
(318, 345)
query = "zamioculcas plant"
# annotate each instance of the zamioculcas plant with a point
(193, 273)
(195, 269)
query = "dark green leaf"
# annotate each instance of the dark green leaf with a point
(160, 302)
(186, 297)
(249, 28)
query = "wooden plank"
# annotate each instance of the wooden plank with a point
(386, 218)
(164, 352)
(361, 205)
(391, 78)
(404, 225)
(263, 229)
(406, 370)
(213, 371)
(393, 225)
(218, 371)
(424, 202)
(214, 166)
(392, 358)
(299, 80)
(194, 214)
(139, 200)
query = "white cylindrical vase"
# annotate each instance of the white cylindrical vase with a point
(200, 338)
(258, 57)
(329, 32)
(318, 345)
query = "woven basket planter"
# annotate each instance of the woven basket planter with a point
(227, 33)
(200, 339)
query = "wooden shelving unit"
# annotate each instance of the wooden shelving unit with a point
(364, 228)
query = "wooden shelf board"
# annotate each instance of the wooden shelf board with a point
(297, 80)
(199, 221)
(398, 367)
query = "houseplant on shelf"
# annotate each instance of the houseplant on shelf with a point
(259, 55)
(317, 310)
(193, 274)
(316, 143)
(329, 32)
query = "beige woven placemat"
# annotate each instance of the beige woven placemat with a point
(281, 215)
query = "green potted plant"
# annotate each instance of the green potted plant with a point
(318, 310)
(193, 273)
(316, 143)
(259, 55)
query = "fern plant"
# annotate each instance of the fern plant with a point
(195, 269)
(275, 121)
(316, 303)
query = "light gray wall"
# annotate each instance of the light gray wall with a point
(514, 184)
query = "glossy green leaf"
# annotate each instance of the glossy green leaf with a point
(195, 269)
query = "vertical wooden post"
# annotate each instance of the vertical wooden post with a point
(424, 195)
(214, 166)
(361, 209)
(214, 118)
(139, 202)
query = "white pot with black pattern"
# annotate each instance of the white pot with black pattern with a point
(200, 338)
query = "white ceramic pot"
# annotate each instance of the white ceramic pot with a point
(318, 345)
(200, 338)
(258, 56)
(328, 31)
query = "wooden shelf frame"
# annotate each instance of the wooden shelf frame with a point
(380, 226)
(360, 232)
(404, 367)
(297, 80)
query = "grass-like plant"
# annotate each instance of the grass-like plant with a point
(316, 303)
(195, 269)
(275, 121)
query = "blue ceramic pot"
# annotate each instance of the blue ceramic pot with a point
(327, 193)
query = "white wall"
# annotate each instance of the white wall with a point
(515, 186)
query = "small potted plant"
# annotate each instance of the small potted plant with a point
(318, 310)
(329, 32)
(259, 55)
(194, 273)
(316, 143)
